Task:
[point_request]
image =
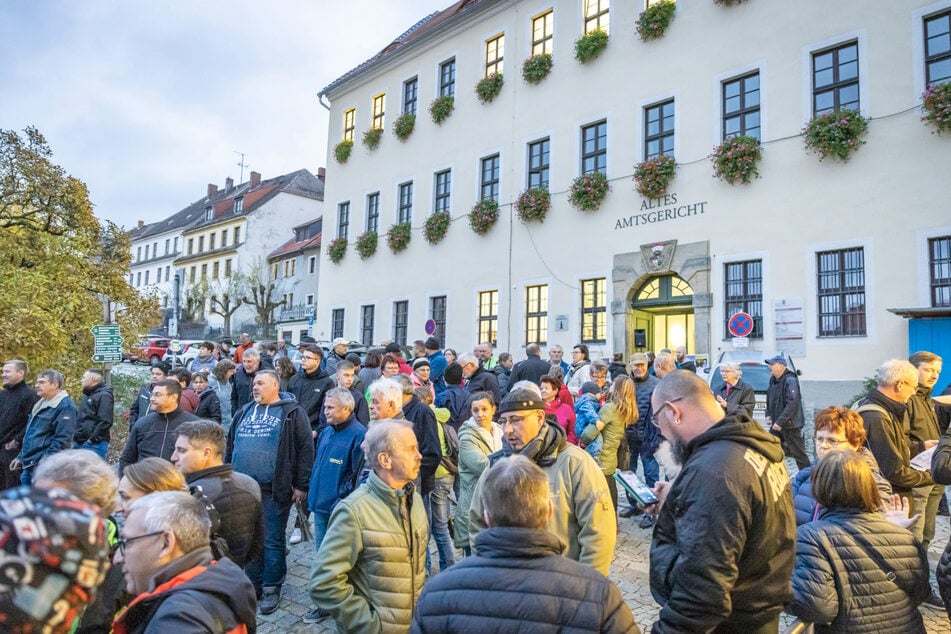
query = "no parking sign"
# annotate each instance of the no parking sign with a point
(741, 325)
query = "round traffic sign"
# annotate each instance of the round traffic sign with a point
(430, 327)
(741, 325)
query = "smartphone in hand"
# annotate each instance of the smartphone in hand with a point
(636, 487)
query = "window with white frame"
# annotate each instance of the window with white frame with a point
(442, 188)
(543, 31)
(841, 292)
(536, 314)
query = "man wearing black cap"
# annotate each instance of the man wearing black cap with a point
(583, 517)
(784, 409)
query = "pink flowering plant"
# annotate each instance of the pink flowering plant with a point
(400, 233)
(536, 68)
(587, 191)
(654, 175)
(483, 216)
(533, 204)
(403, 126)
(366, 244)
(936, 106)
(736, 159)
(590, 45)
(489, 87)
(653, 22)
(441, 108)
(836, 134)
(436, 227)
(337, 249)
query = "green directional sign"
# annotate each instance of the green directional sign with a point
(107, 343)
(107, 358)
(105, 330)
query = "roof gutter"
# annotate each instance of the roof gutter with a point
(320, 100)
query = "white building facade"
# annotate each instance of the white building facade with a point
(817, 252)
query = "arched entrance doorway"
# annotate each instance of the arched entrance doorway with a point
(663, 314)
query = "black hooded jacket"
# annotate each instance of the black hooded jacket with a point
(153, 435)
(16, 403)
(427, 434)
(725, 542)
(95, 415)
(310, 388)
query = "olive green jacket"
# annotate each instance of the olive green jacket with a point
(612, 434)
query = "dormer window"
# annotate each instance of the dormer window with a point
(238, 205)
(209, 213)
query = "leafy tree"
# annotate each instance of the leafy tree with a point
(262, 292)
(58, 262)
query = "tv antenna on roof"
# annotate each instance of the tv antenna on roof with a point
(242, 165)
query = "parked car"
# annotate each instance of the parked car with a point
(755, 372)
(185, 356)
(150, 350)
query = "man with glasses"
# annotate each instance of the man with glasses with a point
(642, 438)
(724, 546)
(310, 386)
(583, 515)
(168, 565)
(156, 433)
(51, 425)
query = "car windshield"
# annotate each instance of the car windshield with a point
(756, 375)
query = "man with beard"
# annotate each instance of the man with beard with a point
(723, 549)
(643, 439)
(583, 515)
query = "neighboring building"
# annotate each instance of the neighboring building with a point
(225, 236)
(295, 265)
(817, 252)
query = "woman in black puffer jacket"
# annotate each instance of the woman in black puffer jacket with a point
(855, 571)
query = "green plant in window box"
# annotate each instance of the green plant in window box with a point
(371, 138)
(728, 3)
(536, 68)
(533, 204)
(489, 87)
(441, 108)
(654, 175)
(337, 249)
(590, 45)
(366, 244)
(736, 159)
(836, 134)
(399, 236)
(655, 19)
(403, 126)
(483, 216)
(587, 191)
(936, 106)
(342, 151)
(436, 227)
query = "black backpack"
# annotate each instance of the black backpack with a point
(450, 458)
(219, 547)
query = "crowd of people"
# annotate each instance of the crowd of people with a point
(508, 467)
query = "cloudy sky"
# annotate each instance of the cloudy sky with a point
(149, 101)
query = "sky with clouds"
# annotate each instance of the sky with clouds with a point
(149, 101)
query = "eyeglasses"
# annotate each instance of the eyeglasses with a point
(825, 441)
(514, 420)
(310, 357)
(123, 542)
(661, 408)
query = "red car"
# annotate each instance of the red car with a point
(150, 350)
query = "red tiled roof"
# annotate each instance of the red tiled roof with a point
(293, 246)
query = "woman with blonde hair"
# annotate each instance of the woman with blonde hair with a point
(148, 476)
(618, 412)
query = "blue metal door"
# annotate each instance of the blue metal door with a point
(933, 335)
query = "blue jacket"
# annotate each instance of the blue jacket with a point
(807, 509)
(437, 368)
(456, 400)
(49, 430)
(338, 465)
(586, 414)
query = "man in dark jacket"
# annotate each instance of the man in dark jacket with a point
(437, 364)
(529, 369)
(140, 406)
(155, 434)
(16, 402)
(345, 376)
(169, 565)
(310, 385)
(455, 398)
(50, 428)
(199, 452)
(553, 592)
(923, 434)
(723, 566)
(784, 410)
(95, 414)
(271, 441)
(478, 379)
(642, 438)
(243, 379)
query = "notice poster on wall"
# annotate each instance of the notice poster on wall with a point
(790, 326)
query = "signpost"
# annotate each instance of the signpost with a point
(430, 327)
(107, 346)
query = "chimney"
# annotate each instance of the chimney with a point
(140, 224)
(229, 184)
(212, 189)
(321, 173)
(255, 179)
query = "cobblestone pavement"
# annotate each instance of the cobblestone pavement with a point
(629, 571)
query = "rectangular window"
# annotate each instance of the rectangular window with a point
(841, 292)
(201, 244)
(209, 213)
(336, 323)
(366, 324)
(275, 270)
(596, 15)
(138, 254)
(494, 52)
(405, 212)
(158, 275)
(379, 107)
(343, 219)
(238, 205)
(410, 95)
(443, 190)
(224, 237)
(215, 268)
(939, 263)
(594, 148)
(138, 278)
(543, 29)
(437, 312)
(741, 107)
(204, 271)
(536, 314)
(373, 211)
(594, 310)
(743, 293)
(447, 78)
(146, 252)
(237, 235)
(191, 274)
(349, 124)
(400, 321)
(659, 130)
(538, 163)
(835, 79)
(290, 267)
(312, 265)
(131, 279)
(211, 241)
(228, 267)
(168, 270)
(490, 178)
(938, 48)
(147, 276)
(168, 245)
(191, 246)
(175, 247)
(489, 316)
